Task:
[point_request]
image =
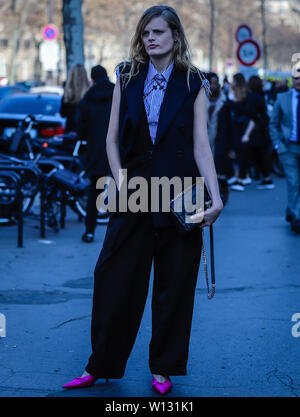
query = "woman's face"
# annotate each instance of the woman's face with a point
(158, 38)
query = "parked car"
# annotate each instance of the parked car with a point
(47, 89)
(45, 108)
(29, 84)
(9, 90)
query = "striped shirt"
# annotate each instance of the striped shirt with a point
(154, 91)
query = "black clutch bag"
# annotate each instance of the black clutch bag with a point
(183, 206)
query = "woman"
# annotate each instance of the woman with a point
(241, 128)
(175, 143)
(76, 86)
(259, 140)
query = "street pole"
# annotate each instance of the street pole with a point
(50, 11)
(211, 34)
(264, 31)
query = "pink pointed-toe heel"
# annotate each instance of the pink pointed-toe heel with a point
(162, 387)
(81, 382)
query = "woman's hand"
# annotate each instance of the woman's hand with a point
(245, 138)
(210, 215)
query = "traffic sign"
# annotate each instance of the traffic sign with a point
(243, 32)
(248, 52)
(49, 55)
(50, 32)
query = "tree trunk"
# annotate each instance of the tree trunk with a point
(264, 30)
(211, 33)
(16, 37)
(73, 32)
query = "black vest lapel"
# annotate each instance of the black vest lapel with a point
(134, 95)
(173, 98)
(175, 94)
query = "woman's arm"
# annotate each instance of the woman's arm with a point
(246, 135)
(204, 159)
(112, 138)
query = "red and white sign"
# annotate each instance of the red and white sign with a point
(243, 32)
(248, 52)
(50, 32)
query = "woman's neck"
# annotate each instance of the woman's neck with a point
(161, 63)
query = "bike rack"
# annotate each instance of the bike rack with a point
(17, 171)
(12, 195)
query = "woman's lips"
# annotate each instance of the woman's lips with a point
(153, 46)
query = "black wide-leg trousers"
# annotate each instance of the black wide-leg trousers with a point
(121, 284)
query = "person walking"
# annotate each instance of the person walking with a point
(92, 118)
(285, 135)
(75, 87)
(218, 129)
(157, 128)
(241, 128)
(259, 139)
(215, 102)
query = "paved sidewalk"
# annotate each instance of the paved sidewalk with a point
(241, 342)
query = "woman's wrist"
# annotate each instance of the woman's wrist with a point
(217, 203)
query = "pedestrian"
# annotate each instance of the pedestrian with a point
(241, 128)
(218, 129)
(157, 128)
(92, 118)
(225, 86)
(75, 87)
(259, 139)
(215, 102)
(285, 135)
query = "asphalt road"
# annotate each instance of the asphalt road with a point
(241, 342)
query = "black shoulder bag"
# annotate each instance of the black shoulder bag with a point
(189, 194)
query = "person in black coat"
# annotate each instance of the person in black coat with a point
(92, 118)
(259, 139)
(74, 89)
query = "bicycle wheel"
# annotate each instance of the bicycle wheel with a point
(78, 205)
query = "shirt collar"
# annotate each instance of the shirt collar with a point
(295, 92)
(152, 71)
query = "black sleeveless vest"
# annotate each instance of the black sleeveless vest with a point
(172, 154)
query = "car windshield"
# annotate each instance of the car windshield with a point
(31, 105)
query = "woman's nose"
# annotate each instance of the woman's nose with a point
(151, 36)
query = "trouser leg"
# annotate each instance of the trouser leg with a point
(91, 210)
(243, 160)
(263, 160)
(291, 164)
(176, 265)
(120, 293)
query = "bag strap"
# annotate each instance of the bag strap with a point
(211, 293)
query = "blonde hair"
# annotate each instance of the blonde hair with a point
(77, 84)
(181, 52)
